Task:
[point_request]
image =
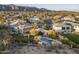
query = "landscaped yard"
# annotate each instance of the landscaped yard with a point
(73, 37)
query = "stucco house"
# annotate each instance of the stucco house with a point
(67, 27)
(20, 26)
(68, 18)
(24, 29)
(34, 19)
(67, 24)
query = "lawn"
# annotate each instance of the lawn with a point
(73, 37)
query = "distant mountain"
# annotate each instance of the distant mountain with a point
(12, 7)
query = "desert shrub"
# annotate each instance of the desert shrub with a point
(20, 38)
(33, 32)
(51, 33)
(67, 41)
(46, 27)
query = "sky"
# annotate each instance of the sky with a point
(57, 7)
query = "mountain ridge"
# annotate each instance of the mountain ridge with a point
(12, 7)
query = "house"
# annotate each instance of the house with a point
(68, 18)
(67, 24)
(67, 28)
(14, 26)
(13, 23)
(20, 26)
(34, 19)
(17, 25)
(57, 29)
(24, 29)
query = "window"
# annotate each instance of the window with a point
(67, 28)
(63, 28)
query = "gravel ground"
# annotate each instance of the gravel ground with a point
(39, 50)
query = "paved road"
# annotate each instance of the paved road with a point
(39, 50)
